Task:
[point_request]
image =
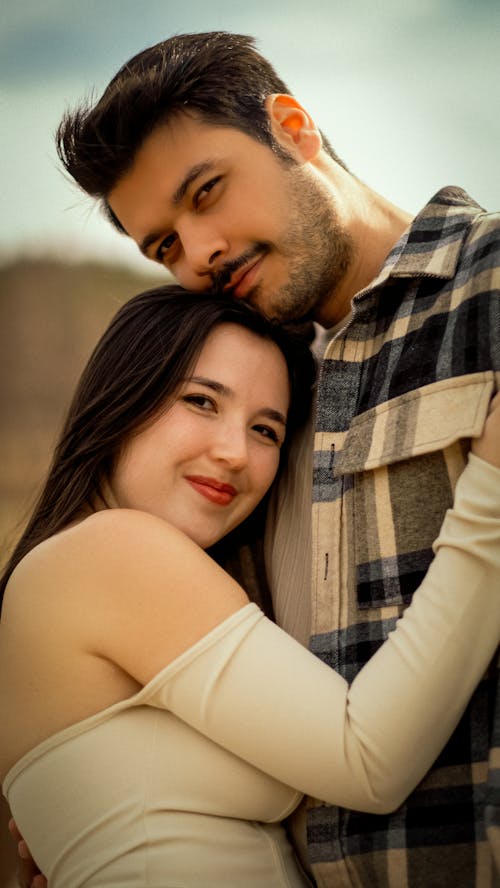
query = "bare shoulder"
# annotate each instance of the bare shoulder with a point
(101, 563)
(117, 578)
(111, 526)
(107, 541)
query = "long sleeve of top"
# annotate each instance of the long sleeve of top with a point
(255, 691)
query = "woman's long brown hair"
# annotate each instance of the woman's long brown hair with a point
(138, 364)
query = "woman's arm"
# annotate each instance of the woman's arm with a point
(154, 602)
(257, 692)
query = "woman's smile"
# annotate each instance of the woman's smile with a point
(215, 491)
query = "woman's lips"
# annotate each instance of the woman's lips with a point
(214, 491)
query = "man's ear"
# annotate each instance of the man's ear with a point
(293, 127)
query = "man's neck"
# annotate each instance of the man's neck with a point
(375, 225)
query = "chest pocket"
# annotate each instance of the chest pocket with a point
(403, 459)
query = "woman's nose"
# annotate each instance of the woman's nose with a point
(230, 444)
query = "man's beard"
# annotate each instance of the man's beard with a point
(317, 249)
(319, 252)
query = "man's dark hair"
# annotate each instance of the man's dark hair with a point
(217, 75)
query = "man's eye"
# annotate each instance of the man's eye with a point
(204, 190)
(165, 246)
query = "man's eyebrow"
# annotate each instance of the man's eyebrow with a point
(192, 174)
(147, 241)
(222, 389)
(197, 170)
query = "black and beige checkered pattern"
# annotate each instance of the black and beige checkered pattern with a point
(402, 390)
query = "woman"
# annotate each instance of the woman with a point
(159, 725)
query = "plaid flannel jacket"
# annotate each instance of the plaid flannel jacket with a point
(402, 390)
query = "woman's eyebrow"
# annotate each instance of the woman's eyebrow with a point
(218, 387)
(222, 389)
(271, 413)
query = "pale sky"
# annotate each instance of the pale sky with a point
(407, 92)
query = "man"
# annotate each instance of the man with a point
(199, 153)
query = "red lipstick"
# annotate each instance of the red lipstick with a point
(214, 491)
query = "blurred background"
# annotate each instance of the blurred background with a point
(407, 92)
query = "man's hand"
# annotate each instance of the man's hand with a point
(28, 874)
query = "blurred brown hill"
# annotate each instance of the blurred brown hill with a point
(51, 315)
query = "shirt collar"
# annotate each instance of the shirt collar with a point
(431, 245)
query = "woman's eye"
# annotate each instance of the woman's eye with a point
(201, 401)
(268, 432)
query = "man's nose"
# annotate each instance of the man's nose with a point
(205, 249)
